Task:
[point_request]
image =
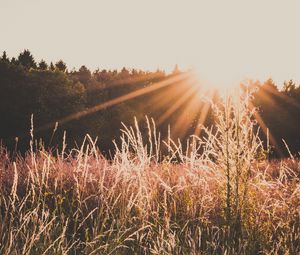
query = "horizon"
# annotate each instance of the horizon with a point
(225, 42)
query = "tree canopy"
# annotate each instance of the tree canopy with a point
(51, 94)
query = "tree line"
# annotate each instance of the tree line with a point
(50, 92)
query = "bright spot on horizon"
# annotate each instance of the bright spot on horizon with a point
(225, 41)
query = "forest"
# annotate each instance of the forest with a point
(40, 95)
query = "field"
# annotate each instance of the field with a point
(219, 194)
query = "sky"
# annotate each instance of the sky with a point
(225, 41)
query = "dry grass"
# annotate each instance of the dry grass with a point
(217, 197)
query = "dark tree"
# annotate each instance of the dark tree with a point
(84, 74)
(61, 66)
(4, 57)
(52, 67)
(124, 72)
(43, 65)
(14, 61)
(84, 69)
(134, 72)
(289, 88)
(26, 59)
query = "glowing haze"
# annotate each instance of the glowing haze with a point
(225, 41)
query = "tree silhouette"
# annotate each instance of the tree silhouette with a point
(52, 67)
(4, 57)
(289, 88)
(61, 66)
(43, 65)
(14, 61)
(84, 74)
(26, 59)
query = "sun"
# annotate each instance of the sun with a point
(224, 84)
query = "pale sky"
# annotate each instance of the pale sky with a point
(225, 40)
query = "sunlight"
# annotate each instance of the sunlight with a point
(202, 118)
(189, 113)
(120, 99)
(216, 81)
(149, 127)
(177, 105)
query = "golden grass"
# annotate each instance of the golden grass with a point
(216, 197)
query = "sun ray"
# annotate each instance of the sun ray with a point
(270, 100)
(186, 117)
(177, 105)
(264, 128)
(130, 81)
(166, 97)
(170, 94)
(282, 96)
(143, 78)
(202, 118)
(118, 100)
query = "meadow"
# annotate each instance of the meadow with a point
(217, 193)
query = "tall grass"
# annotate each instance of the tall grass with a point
(212, 196)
